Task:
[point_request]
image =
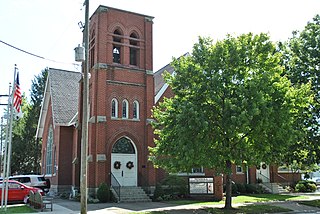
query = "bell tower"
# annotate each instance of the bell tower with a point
(121, 96)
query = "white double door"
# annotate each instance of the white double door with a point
(263, 173)
(126, 176)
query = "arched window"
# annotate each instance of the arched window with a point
(49, 152)
(116, 50)
(135, 109)
(114, 108)
(134, 49)
(123, 145)
(125, 109)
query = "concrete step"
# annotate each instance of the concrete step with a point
(274, 188)
(133, 194)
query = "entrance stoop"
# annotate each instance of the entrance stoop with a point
(133, 194)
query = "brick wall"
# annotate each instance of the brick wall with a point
(122, 81)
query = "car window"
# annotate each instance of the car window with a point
(316, 174)
(22, 179)
(41, 179)
(25, 180)
(13, 186)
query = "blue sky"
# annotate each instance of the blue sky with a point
(49, 28)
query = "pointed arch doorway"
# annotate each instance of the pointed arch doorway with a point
(124, 162)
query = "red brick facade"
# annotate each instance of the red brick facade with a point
(61, 168)
(120, 81)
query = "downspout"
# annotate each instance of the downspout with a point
(247, 173)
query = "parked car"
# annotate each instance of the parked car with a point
(38, 181)
(18, 191)
(315, 176)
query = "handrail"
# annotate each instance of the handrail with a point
(115, 184)
(284, 179)
(266, 183)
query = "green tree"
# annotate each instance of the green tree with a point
(302, 61)
(232, 105)
(26, 149)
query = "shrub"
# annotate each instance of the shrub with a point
(171, 187)
(241, 188)
(305, 186)
(261, 190)
(158, 193)
(251, 189)
(234, 189)
(103, 193)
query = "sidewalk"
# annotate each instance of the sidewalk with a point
(72, 207)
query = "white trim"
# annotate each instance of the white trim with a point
(163, 89)
(161, 92)
(127, 109)
(44, 109)
(116, 108)
(137, 110)
(73, 121)
(241, 169)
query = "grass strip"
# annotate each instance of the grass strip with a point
(243, 199)
(313, 203)
(250, 209)
(18, 209)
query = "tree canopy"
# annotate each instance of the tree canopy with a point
(26, 149)
(302, 61)
(232, 104)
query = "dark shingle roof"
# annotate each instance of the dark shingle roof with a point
(64, 91)
(158, 76)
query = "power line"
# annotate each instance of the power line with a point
(29, 53)
(21, 50)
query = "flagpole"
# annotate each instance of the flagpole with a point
(10, 135)
(6, 146)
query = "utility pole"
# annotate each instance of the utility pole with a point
(84, 135)
(3, 201)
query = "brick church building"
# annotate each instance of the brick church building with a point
(122, 91)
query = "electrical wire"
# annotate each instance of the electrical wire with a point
(21, 50)
(29, 53)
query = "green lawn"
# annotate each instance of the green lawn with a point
(250, 209)
(244, 199)
(314, 203)
(18, 209)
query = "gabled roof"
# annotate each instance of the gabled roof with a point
(159, 84)
(62, 88)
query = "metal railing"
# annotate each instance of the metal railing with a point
(115, 184)
(266, 184)
(284, 180)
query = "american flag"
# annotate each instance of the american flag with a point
(17, 98)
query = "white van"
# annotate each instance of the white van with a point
(33, 180)
(315, 176)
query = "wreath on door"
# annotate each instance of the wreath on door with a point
(117, 164)
(130, 165)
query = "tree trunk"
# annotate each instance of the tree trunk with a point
(228, 204)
